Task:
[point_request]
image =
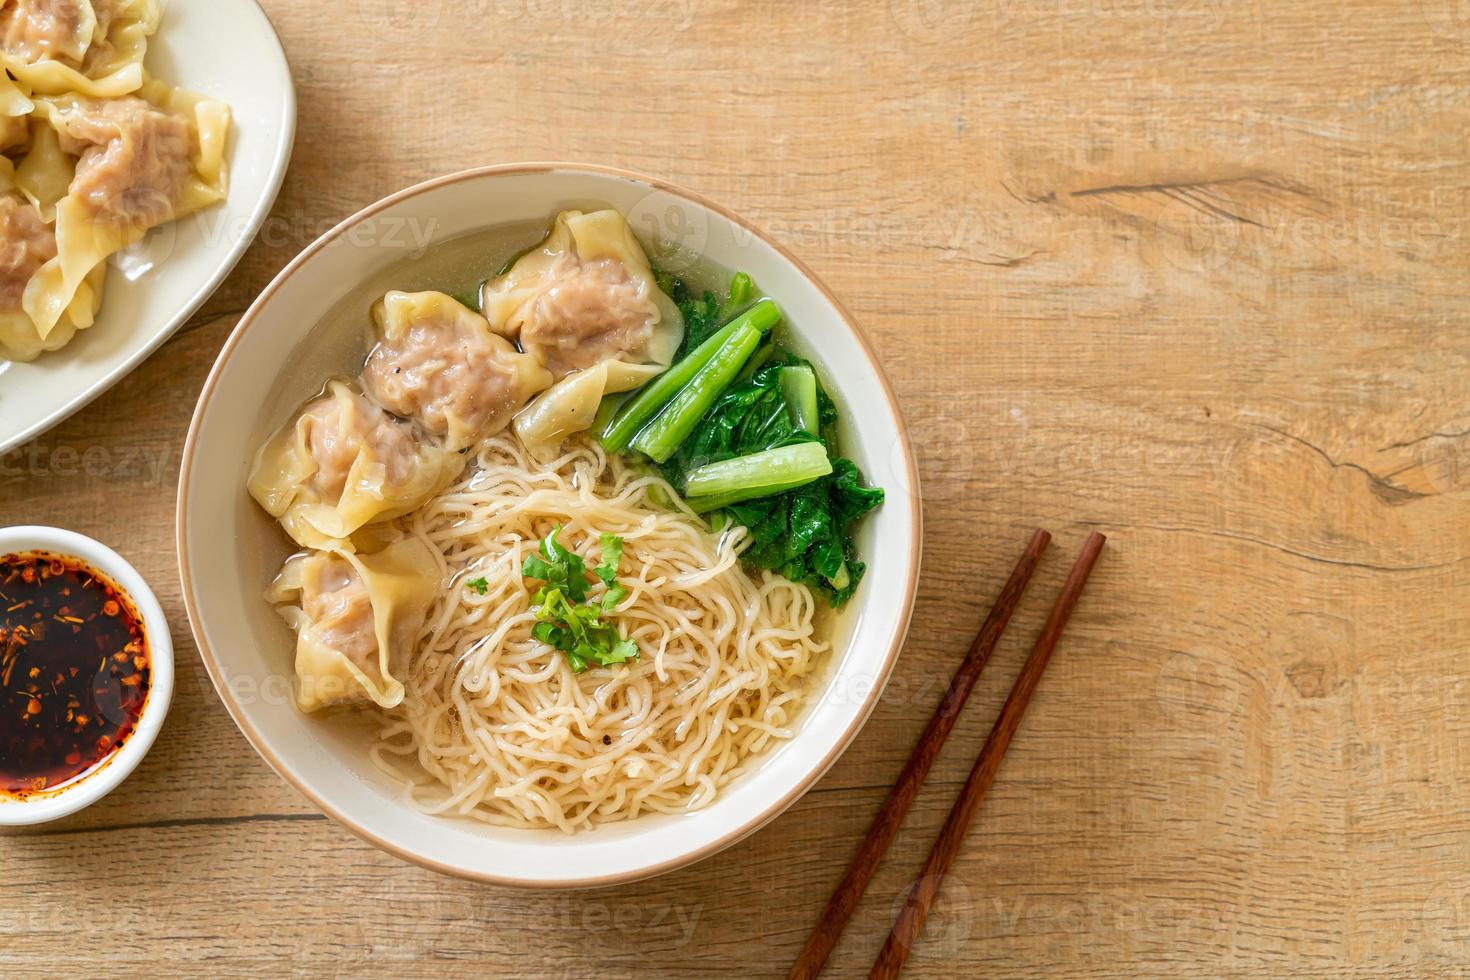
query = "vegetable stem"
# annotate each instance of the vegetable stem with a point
(608, 410)
(799, 387)
(663, 436)
(731, 481)
(767, 351)
(636, 413)
(741, 288)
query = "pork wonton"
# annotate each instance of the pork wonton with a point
(344, 463)
(438, 363)
(585, 304)
(142, 161)
(585, 296)
(26, 244)
(355, 617)
(89, 47)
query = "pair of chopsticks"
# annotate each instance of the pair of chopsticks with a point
(910, 921)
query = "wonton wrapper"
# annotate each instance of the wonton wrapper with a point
(14, 132)
(24, 240)
(585, 295)
(21, 341)
(14, 98)
(390, 469)
(570, 405)
(15, 109)
(111, 60)
(85, 235)
(45, 172)
(15, 113)
(356, 618)
(438, 363)
(35, 30)
(585, 302)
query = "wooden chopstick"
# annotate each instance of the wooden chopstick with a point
(910, 921)
(885, 825)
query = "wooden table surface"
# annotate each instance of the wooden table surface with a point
(1191, 272)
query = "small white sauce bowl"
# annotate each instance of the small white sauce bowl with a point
(110, 773)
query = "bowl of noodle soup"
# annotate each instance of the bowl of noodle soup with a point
(488, 754)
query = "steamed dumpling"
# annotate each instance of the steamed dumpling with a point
(438, 363)
(356, 618)
(585, 296)
(344, 463)
(26, 244)
(119, 42)
(92, 47)
(584, 303)
(142, 161)
(28, 195)
(133, 158)
(41, 30)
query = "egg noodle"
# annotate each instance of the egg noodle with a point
(496, 726)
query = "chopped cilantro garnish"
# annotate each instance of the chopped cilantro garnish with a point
(565, 620)
(607, 570)
(479, 585)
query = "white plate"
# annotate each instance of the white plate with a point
(226, 49)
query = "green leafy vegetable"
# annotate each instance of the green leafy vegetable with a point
(633, 415)
(759, 359)
(479, 585)
(742, 287)
(803, 533)
(762, 474)
(702, 314)
(799, 388)
(676, 420)
(565, 620)
(750, 417)
(800, 520)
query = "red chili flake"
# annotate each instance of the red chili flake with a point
(93, 675)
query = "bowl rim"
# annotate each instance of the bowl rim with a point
(116, 768)
(215, 670)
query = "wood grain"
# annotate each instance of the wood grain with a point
(909, 925)
(889, 819)
(1191, 273)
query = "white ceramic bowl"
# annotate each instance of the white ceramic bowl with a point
(228, 50)
(229, 549)
(110, 774)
